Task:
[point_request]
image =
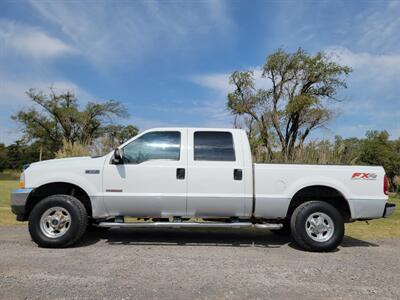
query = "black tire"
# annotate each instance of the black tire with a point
(78, 224)
(299, 221)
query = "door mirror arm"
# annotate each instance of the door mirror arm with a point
(117, 158)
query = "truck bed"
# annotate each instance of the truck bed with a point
(276, 184)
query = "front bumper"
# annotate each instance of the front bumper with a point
(18, 201)
(389, 209)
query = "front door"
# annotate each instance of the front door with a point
(216, 185)
(152, 180)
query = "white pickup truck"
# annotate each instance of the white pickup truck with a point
(166, 177)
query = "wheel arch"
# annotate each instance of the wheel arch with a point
(321, 192)
(56, 188)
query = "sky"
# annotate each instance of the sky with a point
(169, 62)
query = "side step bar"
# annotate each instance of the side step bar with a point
(189, 225)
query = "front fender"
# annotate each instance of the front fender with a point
(65, 177)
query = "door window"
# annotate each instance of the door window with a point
(213, 146)
(153, 145)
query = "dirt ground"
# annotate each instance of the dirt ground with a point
(199, 264)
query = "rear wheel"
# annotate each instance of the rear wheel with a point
(317, 226)
(57, 221)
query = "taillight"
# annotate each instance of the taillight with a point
(386, 185)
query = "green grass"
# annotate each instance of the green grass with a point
(10, 175)
(6, 216)
(5, 188)
(377, 229)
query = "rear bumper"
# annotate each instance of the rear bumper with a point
(389, 209)
(18, 202)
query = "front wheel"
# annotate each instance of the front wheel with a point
(57, 221)
(317, 226)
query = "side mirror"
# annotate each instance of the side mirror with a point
(118, 157)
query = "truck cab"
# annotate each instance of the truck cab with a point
(180, 172)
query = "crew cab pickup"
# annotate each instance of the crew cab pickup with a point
(167, 177)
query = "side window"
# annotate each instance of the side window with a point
(213, 146)
(153, 145)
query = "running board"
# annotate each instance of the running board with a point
(189, 225)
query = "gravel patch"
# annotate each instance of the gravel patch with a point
(196, 264)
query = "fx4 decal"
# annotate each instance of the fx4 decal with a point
(364, 176)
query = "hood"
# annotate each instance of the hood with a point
(61, 161)
(75, 170)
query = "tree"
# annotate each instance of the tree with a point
(119, 134)
(297, 101)
(20, 153)
(378, 150)
(113, 136)
(57, 117)
(3, 157)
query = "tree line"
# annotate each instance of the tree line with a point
(298, 99)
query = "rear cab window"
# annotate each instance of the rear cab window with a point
(213, 146)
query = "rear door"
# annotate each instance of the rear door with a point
(216, 185)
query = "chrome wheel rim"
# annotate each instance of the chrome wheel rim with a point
(55, 222)
(320, 227)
